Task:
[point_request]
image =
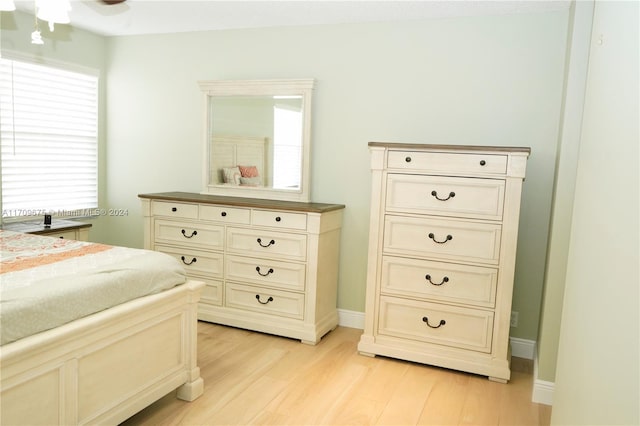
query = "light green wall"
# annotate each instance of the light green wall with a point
(67, 44)
(598, 368)
(564, 186)
(477, 80)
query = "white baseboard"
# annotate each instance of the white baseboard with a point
(522, 348)
(542, 390)
(351, 319)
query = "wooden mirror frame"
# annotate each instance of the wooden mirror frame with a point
(226, 88)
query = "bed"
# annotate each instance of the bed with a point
(92, 334)
(239, 161)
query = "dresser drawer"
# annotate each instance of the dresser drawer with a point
(447, 282)
(450, 196)
(212, 292)
(280, 219)
(65, 235)
(169, 209)
(268, 301)
(448, 163)
(433, 323)
(225, 214)
(196, 261)
(189, 234)
(268, 244)
(270, 273)
(449, 239)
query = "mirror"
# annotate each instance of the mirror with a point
(257, 138)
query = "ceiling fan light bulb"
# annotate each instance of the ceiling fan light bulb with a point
(54, 11)
(36, 37)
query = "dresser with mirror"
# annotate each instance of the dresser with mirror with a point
(268, 254)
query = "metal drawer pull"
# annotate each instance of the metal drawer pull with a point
(433, 237)
(482, 162)
(407, 159)
(435, 194)
(259, 240)
(174, 209)
(270, 299)
(189, 236)
(278, 218)
(270, 271)
(426, 321)
(194, 260)
(444, 280)
(223, 214)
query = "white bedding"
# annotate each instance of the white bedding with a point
(46, 282)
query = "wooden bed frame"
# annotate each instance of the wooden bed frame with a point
(230, 151)
(104, 368)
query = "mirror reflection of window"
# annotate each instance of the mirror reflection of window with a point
(287, 146)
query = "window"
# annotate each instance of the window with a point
(49, 133)
(287, 150)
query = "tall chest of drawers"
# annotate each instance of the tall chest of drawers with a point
(269, 266)
(442, 246)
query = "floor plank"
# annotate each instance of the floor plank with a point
(260, 379)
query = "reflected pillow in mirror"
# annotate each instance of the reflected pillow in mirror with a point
(248, 171)
(231, 175)
(251, 181)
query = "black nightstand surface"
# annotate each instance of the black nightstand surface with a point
(37, 226)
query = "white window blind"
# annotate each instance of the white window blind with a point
(49, 131)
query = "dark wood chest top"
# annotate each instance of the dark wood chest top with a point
(193, 197)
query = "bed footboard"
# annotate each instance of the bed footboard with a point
(105, 367)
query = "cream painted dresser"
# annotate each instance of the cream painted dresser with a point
(442, 249)
(269, 266)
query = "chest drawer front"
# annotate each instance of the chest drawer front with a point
(255, 242)
(280, 219)
(169, 209)
(212, 292)
(463, 197)
(191, 234)
(448, 282)
(433, 323)
(263, 300)
(196, 261)
(270, 273)
(442, 239)
(225, 214)
(448, 163)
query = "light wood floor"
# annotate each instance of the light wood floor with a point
(254, 378)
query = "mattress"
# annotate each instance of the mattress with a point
(46, 282)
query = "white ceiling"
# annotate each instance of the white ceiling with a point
(135, 17)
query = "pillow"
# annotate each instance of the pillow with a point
(231, 175)
(248, 171)
(251, 181)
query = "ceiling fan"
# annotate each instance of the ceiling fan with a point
(52, 11)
